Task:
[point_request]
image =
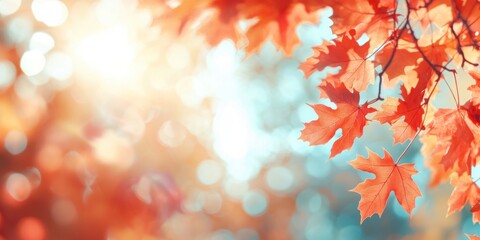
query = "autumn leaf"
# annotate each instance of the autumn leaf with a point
(389, 176)
(455, 127)
(375, 19)
(356, 72)
(399, 62)
(465, 191)
(405, 115)
(416, 45)
(223, 22)
(348, 116)
(277, 20)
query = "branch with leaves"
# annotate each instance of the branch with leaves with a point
(427, 43)
(414, 45)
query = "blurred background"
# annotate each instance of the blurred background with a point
(114, 127)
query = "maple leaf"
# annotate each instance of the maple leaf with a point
(356, 71)
(374, 18)
(455, 127)
(278, 20)
(405, 115)
(424, 48)
(465, 191)
(223, 23)
(399, 58)
(348, 116)
(402, 59)
(220, 19)
(389, 176)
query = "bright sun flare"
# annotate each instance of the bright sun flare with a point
(109, 53)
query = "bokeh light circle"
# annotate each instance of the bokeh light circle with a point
(255, 203)
(209, 172)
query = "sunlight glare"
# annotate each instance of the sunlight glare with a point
(109, 53)
(232, 132)
(8, 7)
(51, 12)
(32, 62)
(234, 140)
(42, 42)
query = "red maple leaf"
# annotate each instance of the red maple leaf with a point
(405, 115)
(389, 176)
(356, 71)
(348, 116)
(402, 59)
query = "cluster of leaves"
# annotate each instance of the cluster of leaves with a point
(417, 45)
(414, 44)
(247, 22)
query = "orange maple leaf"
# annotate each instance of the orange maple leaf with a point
(455, 127)
(402, 58)
(465, 190)
(277, 20)
(389, 176)
(356, 71)
(222, 23)
(263, 20)
(405, 115)
(348, 116)
(374, 18)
